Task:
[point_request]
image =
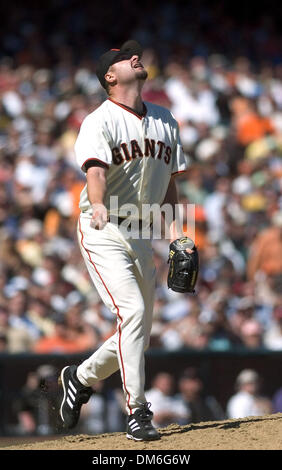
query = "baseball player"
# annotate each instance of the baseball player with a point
(130, 149)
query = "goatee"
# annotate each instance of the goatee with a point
(142, 74)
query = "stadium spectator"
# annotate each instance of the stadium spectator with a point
(70, 336)
(38, 314)
(252, 334)
(249, 126)
(273, 335)
(248, 401)
(35, 410)
(167, 409)
(222, 336)
(193, 332)
(264, 251)
(17, 339)
(197, 405)
(243, 314)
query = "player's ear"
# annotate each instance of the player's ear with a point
(110, 77)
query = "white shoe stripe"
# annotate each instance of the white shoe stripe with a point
(72, 387)
(64, 389)
(134, 426)
(69, 403)
(133, 421)
(71, 394)
(134, 438)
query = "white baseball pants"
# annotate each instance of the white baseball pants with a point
(123, 273)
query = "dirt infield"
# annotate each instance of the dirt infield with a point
(254, 433)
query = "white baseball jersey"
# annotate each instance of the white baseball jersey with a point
(140, 152)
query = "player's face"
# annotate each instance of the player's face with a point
(129, 70)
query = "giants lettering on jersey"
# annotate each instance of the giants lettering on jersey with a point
(157, 150)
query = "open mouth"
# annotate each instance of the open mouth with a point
(137, 65)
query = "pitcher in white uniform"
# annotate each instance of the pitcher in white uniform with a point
(130, 150)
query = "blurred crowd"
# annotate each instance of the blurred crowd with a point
(174, 400)
(224, 87)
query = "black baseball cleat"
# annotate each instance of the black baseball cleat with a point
(139, 426)
(75, 395)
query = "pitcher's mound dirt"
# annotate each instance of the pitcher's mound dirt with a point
(261, 433)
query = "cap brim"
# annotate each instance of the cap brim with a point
(132, 46)
(127, 50)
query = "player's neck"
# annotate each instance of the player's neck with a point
(128, 97)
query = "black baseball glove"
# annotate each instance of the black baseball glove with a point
(183, 266)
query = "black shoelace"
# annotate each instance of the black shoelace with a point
(145, 413)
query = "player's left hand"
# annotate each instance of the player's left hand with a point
(183, 265)
(99, 216)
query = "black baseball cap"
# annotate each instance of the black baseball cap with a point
(126, 51)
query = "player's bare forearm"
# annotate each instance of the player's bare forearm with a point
(96, 189)
(171, 198)
(96, 185)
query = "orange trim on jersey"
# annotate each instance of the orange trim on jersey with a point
(115, 49)
(129, 110)
(178, 172)
(96, 160)
(118, 314)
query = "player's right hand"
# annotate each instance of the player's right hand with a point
(99, 216)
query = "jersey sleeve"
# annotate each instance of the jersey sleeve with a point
(179, 161)
(92, 145)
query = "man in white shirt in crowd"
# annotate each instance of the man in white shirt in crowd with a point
(167, 409)
(247, 401)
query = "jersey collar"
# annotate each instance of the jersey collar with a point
(130, 110)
